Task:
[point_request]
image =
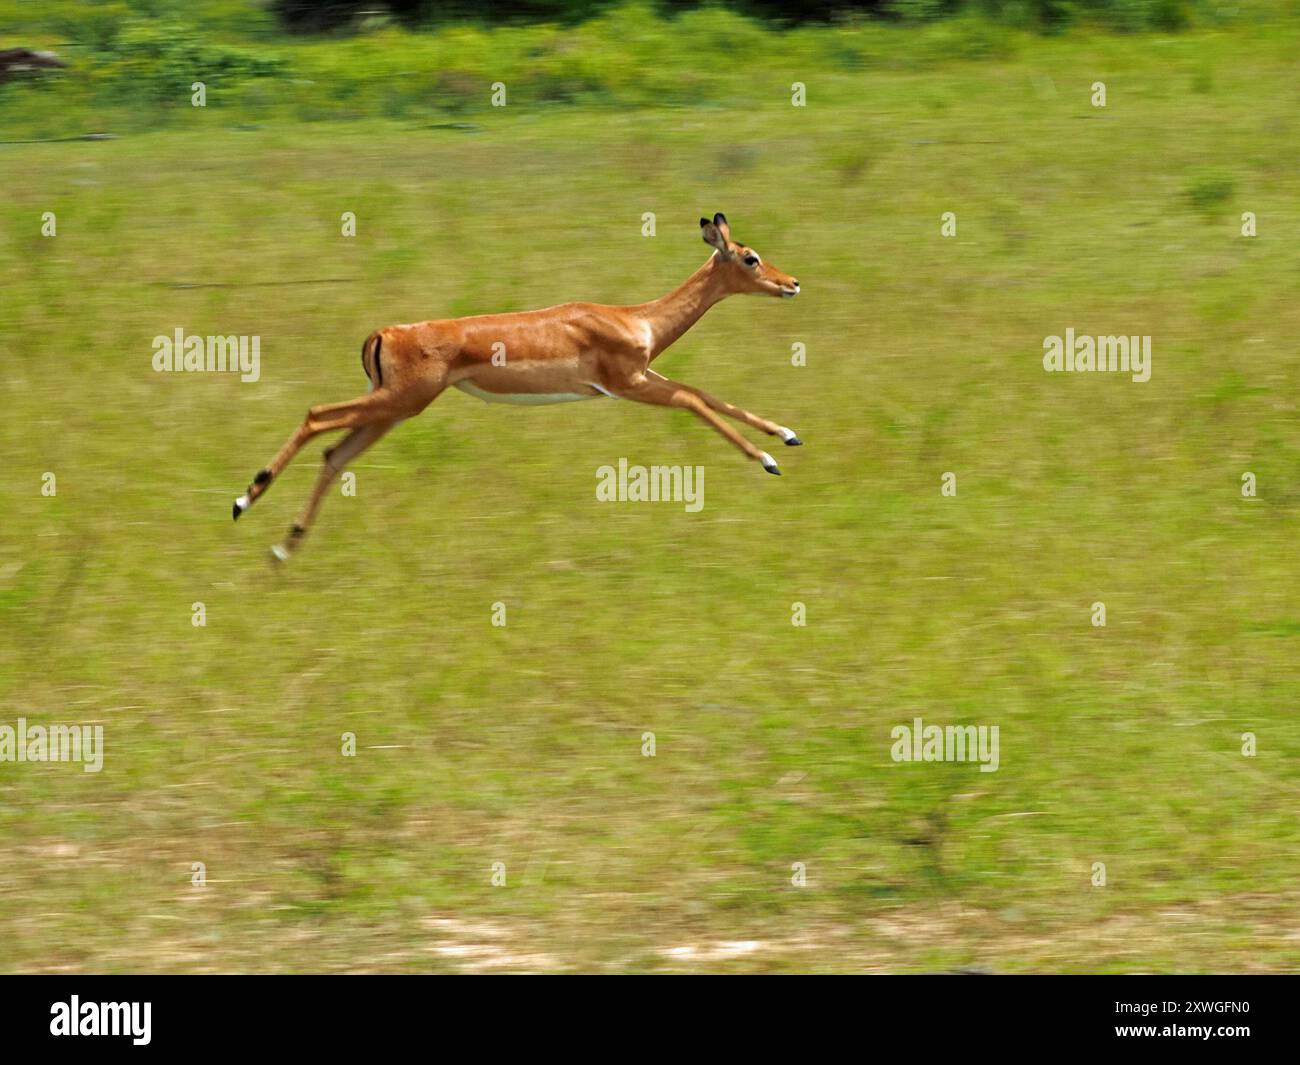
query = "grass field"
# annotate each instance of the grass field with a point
(522, 744)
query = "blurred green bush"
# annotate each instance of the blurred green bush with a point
(132, 62)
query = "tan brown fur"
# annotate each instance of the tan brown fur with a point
(574, 350)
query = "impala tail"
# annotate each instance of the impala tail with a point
(370, 352)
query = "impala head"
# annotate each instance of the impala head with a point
(743, 267)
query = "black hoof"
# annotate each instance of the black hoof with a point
(794, 441)
(236, 510)
(773, 469)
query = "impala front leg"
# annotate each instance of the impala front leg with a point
(788, 436)
(661, 392)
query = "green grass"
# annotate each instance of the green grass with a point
(522, 744)
(132, 63)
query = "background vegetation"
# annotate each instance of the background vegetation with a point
(522, 744)
(133, 61)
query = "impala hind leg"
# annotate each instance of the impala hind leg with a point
(369, 409)
(336, 460)
(662, 392)
(763, 425)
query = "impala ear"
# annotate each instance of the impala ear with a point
(720, 220)
(714, 234)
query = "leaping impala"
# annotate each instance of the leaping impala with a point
(573, 351)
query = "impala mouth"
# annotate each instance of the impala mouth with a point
(789, 293)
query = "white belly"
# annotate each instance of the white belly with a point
(527, 398)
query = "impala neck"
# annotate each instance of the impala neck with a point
(671, 315)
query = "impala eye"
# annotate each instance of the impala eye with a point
(751, 260)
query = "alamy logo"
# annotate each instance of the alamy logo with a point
(955, 743)
(1071, 354)
(654, 484)
(216, 354)
(58, 743)
(102, 1018)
